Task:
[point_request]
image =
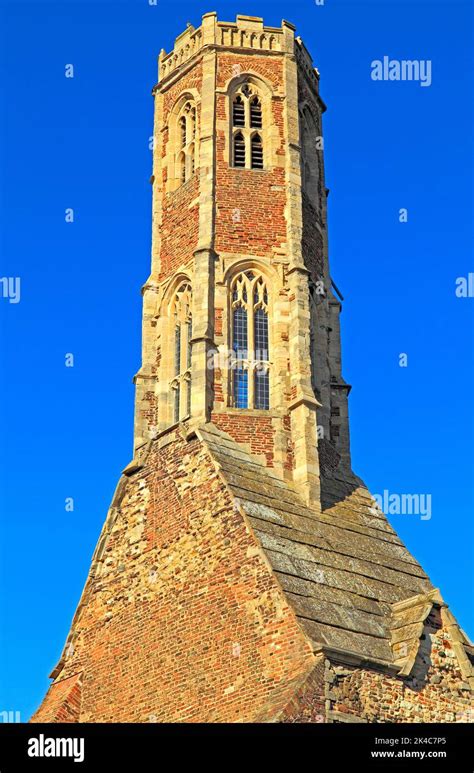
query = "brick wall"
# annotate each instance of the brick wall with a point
(183, 620)
(308, 703)
(435, 690)
(257, 431)
(179, 230)
(312, 242)
(260, 196)
(62, 702)
(180, 215)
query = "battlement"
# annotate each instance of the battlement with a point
(247, 32)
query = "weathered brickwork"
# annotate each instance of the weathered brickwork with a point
(312, 242)
(62, 702)
(190, 81)
(309, 704)
(261, 227)
(182, 619)
(258, 431)
(179, 230)
(187, 616)
(218, 388)
(269, 68)
(178, 224)
(258, 228)
(218, 330)
(436, 691)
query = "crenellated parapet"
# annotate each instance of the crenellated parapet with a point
(247, 32)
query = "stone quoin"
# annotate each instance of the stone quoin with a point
(244, 573)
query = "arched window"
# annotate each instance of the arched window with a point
(238, 111)
(255, 113)
(180, 384)
(192, 123)
(182, 129)
(239, 149)
(250, 342)
(247, 147)
(256, 160)
(186, 141)
(182, 166)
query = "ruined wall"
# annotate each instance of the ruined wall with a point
(63, 703)
(308, 704)
(182, 619)
(435, 690)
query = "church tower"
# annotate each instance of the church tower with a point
(240, 319)
(244, 573)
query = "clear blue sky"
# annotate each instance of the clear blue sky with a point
(83, 143)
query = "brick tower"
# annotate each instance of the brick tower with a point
(244, 573)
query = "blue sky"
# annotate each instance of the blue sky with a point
(83, 143)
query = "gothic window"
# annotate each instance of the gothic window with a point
(192, 122)
(186, 142)
(182, 167)
(176, 400)
(247, 145)
(312, 328)
(255, 113)
(239, 111)
(239, 149)
(250, 342)
(180, 385)
(182, 128)
(256, 152)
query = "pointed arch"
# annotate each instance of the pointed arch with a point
(180, 334)
(256, 151)
(249, 334)
(255, 112)
(182, 131)
(238, 111)
(249, 109)
(239, 154)
(183, 142)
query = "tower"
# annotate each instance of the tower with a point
(244, 573)
(239, 149)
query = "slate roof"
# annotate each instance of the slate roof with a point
(343, 570)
